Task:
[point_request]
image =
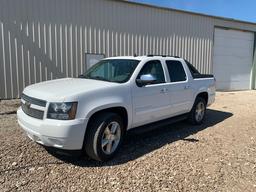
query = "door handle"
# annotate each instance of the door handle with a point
(186, 87)
(164, 90)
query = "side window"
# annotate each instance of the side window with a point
(154, 68)
(176, 71)
(192, 69)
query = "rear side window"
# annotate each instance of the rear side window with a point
(176, 71)
(154, 68)
(192, 69)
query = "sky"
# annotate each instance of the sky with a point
(244, 10)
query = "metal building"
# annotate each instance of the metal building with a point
(47, 39)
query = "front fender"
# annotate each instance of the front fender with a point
(93, 105)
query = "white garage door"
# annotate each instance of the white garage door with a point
(232, 61)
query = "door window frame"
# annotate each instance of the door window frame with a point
(164, 73)
(170, 79)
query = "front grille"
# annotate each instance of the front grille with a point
(26, 107)
(33, 100)
(32, 112)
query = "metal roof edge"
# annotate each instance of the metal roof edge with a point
(183, 11)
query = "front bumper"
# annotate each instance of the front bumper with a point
(60, 134)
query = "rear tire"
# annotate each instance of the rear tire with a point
(104, 136)
(197, 113)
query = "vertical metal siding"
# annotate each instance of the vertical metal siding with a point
(47, 39)
(2, 65)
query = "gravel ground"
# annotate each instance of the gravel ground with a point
(219, 155)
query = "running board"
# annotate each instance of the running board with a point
(158, 124)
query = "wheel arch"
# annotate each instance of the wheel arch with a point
(204, 95)
(120, 110)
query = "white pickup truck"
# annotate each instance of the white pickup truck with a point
(92, 113)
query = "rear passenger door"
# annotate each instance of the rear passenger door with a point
(180, 92)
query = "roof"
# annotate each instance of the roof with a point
(144, 57)
(182, 11)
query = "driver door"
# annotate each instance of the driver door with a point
(151, 102)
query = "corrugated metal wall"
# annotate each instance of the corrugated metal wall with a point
(47, 39)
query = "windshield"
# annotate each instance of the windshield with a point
(113, 70)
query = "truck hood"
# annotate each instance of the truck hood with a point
(61, 89)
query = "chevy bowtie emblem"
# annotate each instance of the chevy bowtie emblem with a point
(28, 104)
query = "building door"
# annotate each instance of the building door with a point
(232, 60)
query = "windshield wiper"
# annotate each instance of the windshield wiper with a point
(94, 77)
(98, 78)
(81, 76)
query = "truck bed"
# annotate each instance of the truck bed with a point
(201, 76)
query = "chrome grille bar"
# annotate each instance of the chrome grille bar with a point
(32, 100)
(27, 106)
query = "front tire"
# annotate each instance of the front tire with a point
(197, 113)
(104, 136)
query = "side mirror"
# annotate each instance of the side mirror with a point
(145, 80)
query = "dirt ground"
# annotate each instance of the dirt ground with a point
(219, 155)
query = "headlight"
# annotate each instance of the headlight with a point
(62, 111)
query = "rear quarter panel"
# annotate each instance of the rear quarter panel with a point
(205, 85)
